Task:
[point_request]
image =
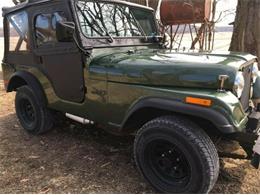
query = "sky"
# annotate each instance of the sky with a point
(4, 3)
(222, 6)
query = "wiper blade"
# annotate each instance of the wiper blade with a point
(111, 39)
(140, 27)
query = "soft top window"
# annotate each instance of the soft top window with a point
(20, 23)
(18, 32)
(45, 26)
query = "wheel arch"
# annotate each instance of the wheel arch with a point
(21, 78)
(151, 108)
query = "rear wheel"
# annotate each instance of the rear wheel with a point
(176, 156)
(33, 115)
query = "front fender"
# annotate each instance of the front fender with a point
(223, 113)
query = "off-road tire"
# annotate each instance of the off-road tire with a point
(196, 146)
(38, 119)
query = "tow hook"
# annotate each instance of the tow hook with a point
(256, 157)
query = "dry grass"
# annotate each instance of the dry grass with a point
(75, 159)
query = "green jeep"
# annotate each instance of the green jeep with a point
(103, 62)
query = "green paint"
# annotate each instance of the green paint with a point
(120, 74)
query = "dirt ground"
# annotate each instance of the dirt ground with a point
(76, 159)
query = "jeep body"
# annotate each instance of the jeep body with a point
(102, 62)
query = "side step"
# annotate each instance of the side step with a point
(79, 119)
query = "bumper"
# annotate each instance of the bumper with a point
(249, 139)
(253, 127)
(256, 157)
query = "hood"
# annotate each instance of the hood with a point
(164, 68)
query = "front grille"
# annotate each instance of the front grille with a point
(246, 95)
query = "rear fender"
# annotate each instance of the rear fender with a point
(21, 78)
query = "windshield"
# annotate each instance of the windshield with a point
(102, 19)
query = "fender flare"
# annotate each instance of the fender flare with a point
(177, 106)
(31, 81)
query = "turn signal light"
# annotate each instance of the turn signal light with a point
(198, 101)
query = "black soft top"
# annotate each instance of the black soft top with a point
(28, 3)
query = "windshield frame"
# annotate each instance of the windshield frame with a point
(121, 3)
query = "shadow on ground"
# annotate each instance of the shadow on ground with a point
(69, 159)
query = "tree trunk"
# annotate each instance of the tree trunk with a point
(246, 34)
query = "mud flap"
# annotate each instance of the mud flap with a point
(256, 157)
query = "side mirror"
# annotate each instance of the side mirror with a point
(65, 31)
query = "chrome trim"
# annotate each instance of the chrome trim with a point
(79, 119)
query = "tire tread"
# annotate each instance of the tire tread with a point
(196, 136)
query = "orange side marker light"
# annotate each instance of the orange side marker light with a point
(198, 101)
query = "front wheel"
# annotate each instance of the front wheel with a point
(176, 156)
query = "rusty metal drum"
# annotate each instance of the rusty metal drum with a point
(174, 12)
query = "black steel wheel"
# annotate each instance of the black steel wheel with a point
(33, 115)
(168, 162)
(176, 156)
(28, 113)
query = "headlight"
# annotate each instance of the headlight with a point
(255, 71)
(239, 84)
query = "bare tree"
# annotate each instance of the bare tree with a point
(246, 35)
